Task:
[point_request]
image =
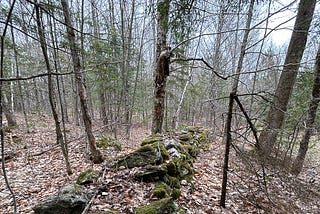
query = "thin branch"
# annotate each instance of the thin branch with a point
(252, 127)
(33, 76)
(202, 60)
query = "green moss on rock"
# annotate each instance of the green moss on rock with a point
(172, 168)
(161, 206)
(88, 176)
(151, 174)
(105, 212)
(109, 141)
(172, 181)
(176, 193)
(184, 137)
(152, 139)
(191, 150)
(150, 154)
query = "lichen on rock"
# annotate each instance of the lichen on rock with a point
(71, 199)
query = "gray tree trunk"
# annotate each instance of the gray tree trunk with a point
(162, 71)
(275, 117)
(97, 157)
(50, 87)
(314, 103)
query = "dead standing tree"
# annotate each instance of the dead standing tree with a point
(160, 90)
(163, 60)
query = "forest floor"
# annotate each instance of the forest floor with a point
(36, 170)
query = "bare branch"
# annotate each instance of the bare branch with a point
(202, 60)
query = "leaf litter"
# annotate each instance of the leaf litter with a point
(37, 170)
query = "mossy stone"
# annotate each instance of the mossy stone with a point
(105, 212)
(176, 193)
(72, 199)
(159, 193)
(88, 176)
(161, 206)
(172, 181)
(185, 137)
(172, 168)
(109, 141)
(191, 150)
(152, 139)
(150, 154)
(151, 174)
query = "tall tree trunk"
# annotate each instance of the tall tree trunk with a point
(162, 70)
(314, 103)
(11, 119)
(19, 83)
(176, 117)
(275, 117)
(50, 87)
(217, 64)
(4, 171)
(97, 157)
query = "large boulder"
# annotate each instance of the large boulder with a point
(150, 154)
(71, 199)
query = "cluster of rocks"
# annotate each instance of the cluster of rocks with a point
(165, 159)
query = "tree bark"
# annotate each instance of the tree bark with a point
(275, 117)
(50, 88)
(227, 151)
(314, 103)
(97, 157)
(4, 172)
(11, 119)
(162, 70)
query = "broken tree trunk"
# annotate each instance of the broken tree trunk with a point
(160, 90)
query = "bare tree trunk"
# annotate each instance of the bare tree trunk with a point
(50, 88)
(275, 117)
(4, 172)
(138, 69)
(227, 151)
(314, 103)
(162, 71)
(97, 157)
(19, 84)
(176, 117)
(11, 119)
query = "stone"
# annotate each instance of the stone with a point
(161, 206)
(88, 177)
(151, 174)
(72, 199)
(150, 154)
(152, 139)
(174, 153)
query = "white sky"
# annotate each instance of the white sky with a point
(282, 35)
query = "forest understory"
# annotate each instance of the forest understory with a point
(36, 169)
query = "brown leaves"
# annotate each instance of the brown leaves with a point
(34, 178)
